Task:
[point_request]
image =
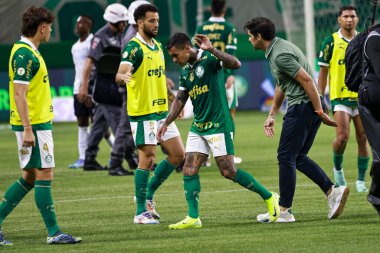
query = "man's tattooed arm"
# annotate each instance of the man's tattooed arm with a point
(229, 61)
(177, 106)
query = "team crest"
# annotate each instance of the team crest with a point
(199, 71)
(48, 159)
(125, 54)
(152, 136)
(20, 71)
(191, 76)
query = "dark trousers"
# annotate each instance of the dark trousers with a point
(372, 129)
(105, 116)
(124, 146)
(299, 129)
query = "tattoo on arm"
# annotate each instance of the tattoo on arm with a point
(171, 96)
(177, 105)
(229, 61)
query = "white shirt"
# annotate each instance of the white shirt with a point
(79, 52)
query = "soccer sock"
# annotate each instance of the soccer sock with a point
(248, 181)
(82, 141)
(15, 193)
(141, 185)
(192, 188)
(362, 167)
(338, 161)
(161, 173)
(44, 202)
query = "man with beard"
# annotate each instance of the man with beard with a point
(142, 68)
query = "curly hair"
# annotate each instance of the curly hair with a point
(33, 17)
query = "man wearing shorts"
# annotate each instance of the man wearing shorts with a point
(202, 80)
(31, 113)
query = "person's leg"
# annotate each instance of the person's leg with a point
(342, 118)
(363, 155)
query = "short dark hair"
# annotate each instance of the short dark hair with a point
(178, 40)
(217, 7)
(142, 10)
(263, 26)
(90, 20)
(347, 8)
(33, 17)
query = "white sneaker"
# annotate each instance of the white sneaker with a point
(285, 216)
(151, 208)
(360, 186)
(145, 218)
(337, 200)
(237, 160)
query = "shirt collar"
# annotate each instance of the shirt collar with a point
(346, 39)
(27, 41)
(217, 19)
(271, 45)
(140, 38)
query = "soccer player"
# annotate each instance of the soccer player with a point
(344, 102)
(83, 111)
(147, 106)
(202, 80)
(303, 118)
(222, 35)
(31, 113)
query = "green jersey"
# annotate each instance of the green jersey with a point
(222, 35)
(286, 60)
(204, 82)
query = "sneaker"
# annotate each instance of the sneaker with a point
(273, 207)
(4, 242)
(339, 177)
(284, 217)
(119, 171)
(360, 186)
(151, 208)
(337, 200)
(145, 218)
(63, 239)
(188, 222)
(237, 160)
(77, 165)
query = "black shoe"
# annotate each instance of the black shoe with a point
(92, 165)
(375, 202)
(119, 171)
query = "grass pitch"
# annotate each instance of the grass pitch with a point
(100, 208)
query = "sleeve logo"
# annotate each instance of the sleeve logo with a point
(20, 71)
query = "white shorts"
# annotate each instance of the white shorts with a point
(40, 156)
(352, 110)
(145, 132)
(221, 144)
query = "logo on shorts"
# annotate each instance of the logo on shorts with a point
(199, 71)
(152, 136)
(24, 151)
(48, 159)
(20, 71)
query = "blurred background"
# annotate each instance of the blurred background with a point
(304, 22)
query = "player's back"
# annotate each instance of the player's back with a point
(220, 32)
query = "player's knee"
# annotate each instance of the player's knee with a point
(229, 173)
(342, 139)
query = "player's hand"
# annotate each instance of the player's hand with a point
(82, 94)
(203, 42)
(88, 102)
(230, 82)
(127, 77)
(327, 120)
(28, 139)
(269, 127)
(161, 131)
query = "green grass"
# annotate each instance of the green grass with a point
(100, 208)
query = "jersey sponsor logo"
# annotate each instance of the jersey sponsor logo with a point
(213, 27)
(197, 90)
(159, 101)
(45, 78)
(20, 71)
(132, 54)
(156, 72)
(199, 71)
(203, 126)
(29, 68)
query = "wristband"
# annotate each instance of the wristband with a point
(320, 112)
